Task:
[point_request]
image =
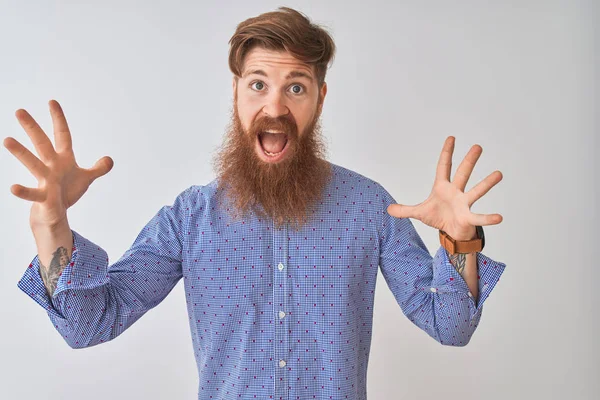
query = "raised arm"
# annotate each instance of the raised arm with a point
(61, 183)
(88, 301)
(429, 289)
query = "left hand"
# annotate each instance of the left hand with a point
(448, 207)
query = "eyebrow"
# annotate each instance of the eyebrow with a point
(293, 74)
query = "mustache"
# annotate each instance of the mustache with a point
(284, 123)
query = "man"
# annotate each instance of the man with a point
(279, 254)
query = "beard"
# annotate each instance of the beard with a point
(287, 191)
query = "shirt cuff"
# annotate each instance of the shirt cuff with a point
(86, 269)
(446, 278)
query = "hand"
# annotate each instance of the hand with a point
(61, 182)
(448, 208)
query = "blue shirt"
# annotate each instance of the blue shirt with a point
(274, 313)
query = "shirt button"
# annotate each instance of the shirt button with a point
(433, 289)
(469, 294)
(281, 314)
(280, 266)
(281, 363)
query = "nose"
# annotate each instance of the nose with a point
(275, 106)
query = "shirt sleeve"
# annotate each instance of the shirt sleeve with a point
(94, 302)
(430, 292)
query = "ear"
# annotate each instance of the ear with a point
(322, 94)
(234, 85)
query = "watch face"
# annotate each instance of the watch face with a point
(480, 235)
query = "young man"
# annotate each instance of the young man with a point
(279, 255)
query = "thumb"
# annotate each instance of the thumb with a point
(401, 211)
(101, 167)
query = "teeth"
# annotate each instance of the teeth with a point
(271, 154)
(272, 131)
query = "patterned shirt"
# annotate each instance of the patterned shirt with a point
(275, 313)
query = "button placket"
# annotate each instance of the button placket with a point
(280, 289)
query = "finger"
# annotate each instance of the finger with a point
(485, 219)
(100, 168)
(62, 135)
(464, 170)
(33, 164)
(445, 161)
(26, 193)
(483, 187)
(402, 211)
(39, 139)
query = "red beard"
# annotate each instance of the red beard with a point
(288, 191)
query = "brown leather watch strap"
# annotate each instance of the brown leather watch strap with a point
(460, 246)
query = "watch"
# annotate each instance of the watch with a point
(463, 246)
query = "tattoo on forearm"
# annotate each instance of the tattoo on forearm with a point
(459, 261)
(51, 274)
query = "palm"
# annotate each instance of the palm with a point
(61, 182)
(448, 207)
(63, 186)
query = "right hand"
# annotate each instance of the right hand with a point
(61, 182)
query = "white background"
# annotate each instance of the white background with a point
(148, 84)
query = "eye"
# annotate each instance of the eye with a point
(257, 85)
(297, 89)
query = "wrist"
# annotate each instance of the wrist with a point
(48, 223)
(469, 234)
(49, 237)
(50, 230)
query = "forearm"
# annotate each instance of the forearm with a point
(466, 266)
(54, 248)
(82, 303)
(89, 305)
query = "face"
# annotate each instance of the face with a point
(272, 161)
(278, 97)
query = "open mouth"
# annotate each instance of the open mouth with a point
(273, 144)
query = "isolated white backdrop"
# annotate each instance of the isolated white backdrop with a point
(147, 83)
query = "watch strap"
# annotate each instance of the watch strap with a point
(461, 246)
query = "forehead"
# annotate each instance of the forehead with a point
(274, 63)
